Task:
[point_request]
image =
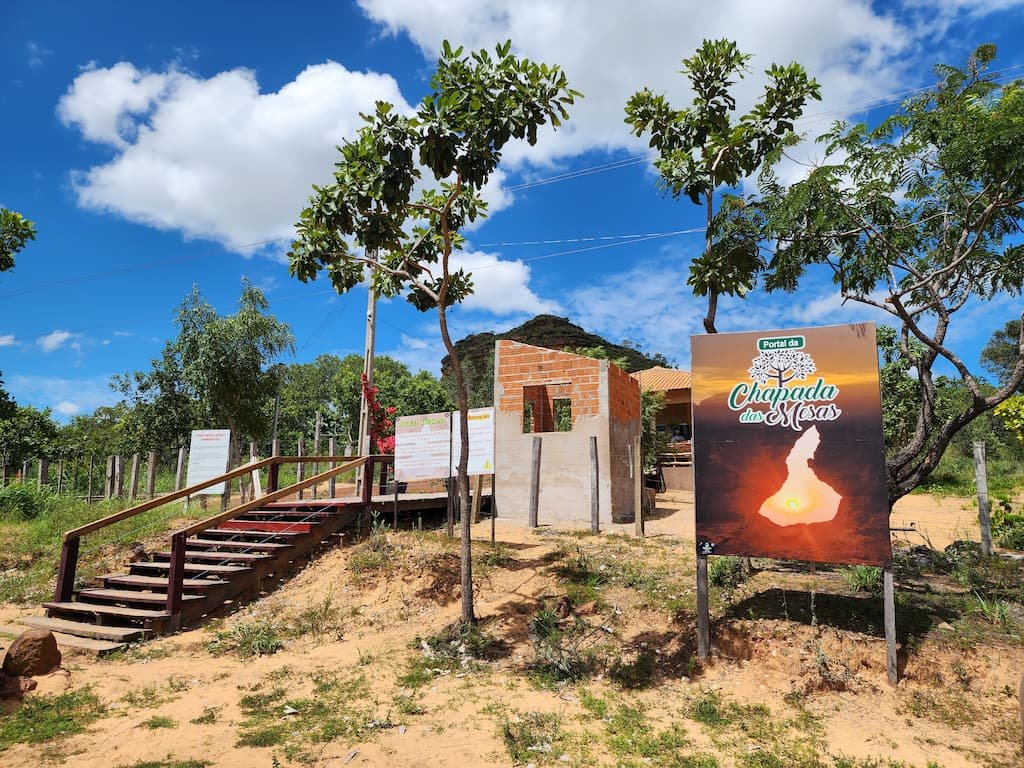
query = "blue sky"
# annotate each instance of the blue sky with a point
(161, 145)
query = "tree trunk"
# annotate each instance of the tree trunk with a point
(709, 319)
(462, 478)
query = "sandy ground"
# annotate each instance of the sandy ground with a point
(759, 662)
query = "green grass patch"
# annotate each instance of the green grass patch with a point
(41, 718)
(533, 737)
(456, 648)
(158, 721)
(256, 637)
(169, 764)
(209, 716)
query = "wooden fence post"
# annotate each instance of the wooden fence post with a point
(535, 482)
(595, 489)
(300, 472)
(118, 475)
(3, 475)
(133, 478)
(981, 479)
(889, 618)
(151, 475)
(179, 472)
(43, 476)
(60, 477)
(88, 489)
(274, 470)
(108, 479)
(332, 446)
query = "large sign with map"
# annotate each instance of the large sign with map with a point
(787, 440)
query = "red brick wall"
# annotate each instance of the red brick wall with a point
(623, 395)
(562, 373)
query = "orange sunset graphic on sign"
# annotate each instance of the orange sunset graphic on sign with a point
(788, 452)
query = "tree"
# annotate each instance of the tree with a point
(15, 232)
(1002, 351)
(160, 411)
(215, 373)
(331, 385)
(7, 404)
(477, 104)
(701, 150)
(27, 434)
(1011, 411)
(917, 217)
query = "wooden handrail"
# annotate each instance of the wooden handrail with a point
(124, 514)
(209, 522)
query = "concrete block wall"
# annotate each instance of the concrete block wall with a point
(605, 403)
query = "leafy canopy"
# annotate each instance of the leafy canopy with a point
(917, 217)
(702, 149)
(15, 232)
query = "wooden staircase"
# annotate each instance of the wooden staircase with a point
(223, 558)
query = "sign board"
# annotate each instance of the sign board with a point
(207, 458)
(422, 446)
(789, 461)
(481, 442)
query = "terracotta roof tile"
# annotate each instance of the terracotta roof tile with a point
(660, 379)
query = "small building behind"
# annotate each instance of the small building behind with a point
(674, 422)
(564, 399)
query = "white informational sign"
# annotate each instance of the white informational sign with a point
(207, 458)
(422, 446)
(481, 442)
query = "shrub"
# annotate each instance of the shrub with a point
(725, 572)
(23, 501)
(864, 578)
(251, 638)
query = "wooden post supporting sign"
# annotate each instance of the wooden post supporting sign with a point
(889, 610)
(179, 472)
(981, 479)
(703, 617)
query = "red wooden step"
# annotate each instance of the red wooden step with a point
(220, 570)
(255, 546)
(266, 525)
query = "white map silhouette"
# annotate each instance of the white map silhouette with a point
(803, 497)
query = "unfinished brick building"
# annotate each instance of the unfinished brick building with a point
(564, 399)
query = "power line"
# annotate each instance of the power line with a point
(587, 239)
(78, 279)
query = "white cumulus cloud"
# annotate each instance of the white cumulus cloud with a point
(216, 157)
(54, 340)
(67, 408)
(500, 287)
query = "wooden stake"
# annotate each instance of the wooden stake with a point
(535, 482)
(88, 488)
(43, 478)
(151, 475)
(889, 610)
(981, 479)
(494, 504)
(133, 481)
(179, 472)
(108, 481)
(478, 489)
(595, 489)
(118, 475)
(450, 509)
(703, 616)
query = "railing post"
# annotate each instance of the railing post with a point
(66, 571)
(175, 578)
(366, 489)
(332, 447)
(274, 469)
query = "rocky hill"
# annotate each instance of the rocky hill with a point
(476, 352)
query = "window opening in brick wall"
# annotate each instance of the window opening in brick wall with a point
(527, 417)
(562, 408)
